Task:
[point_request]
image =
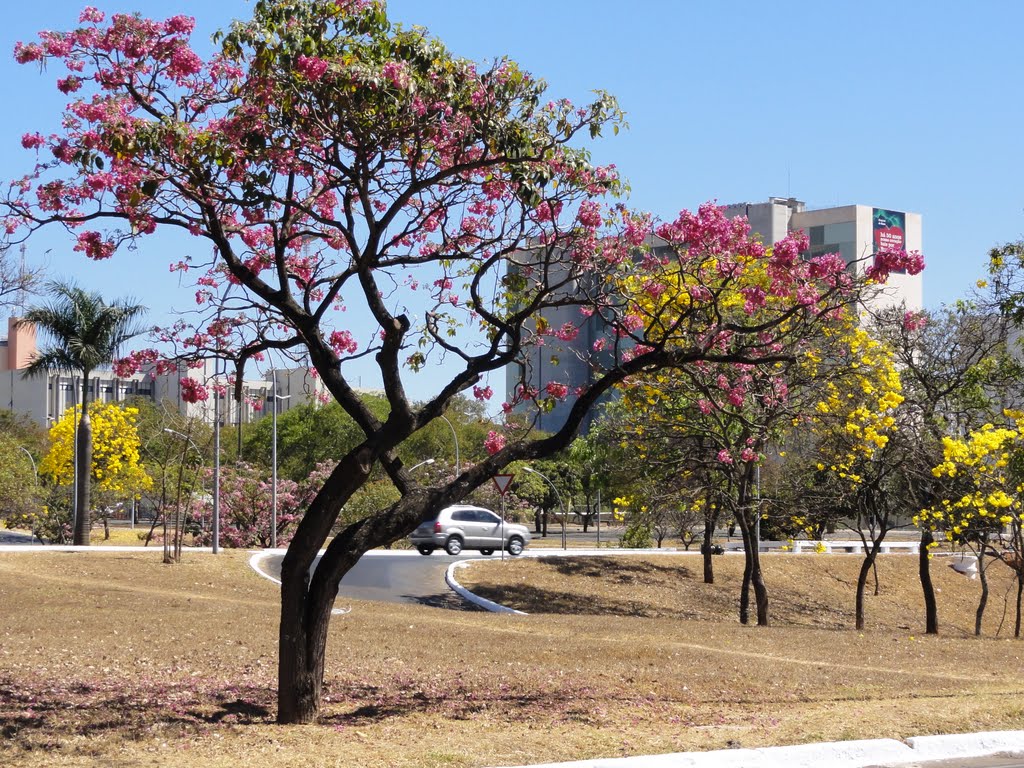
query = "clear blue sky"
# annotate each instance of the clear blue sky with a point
(911, 106)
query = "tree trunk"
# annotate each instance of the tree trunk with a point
(931, 611)
(1020, 592)
(748, 570)
(709, 568)
(862, 580)
(760, 590)
(983, 601)
(83, 521)
(302, 640)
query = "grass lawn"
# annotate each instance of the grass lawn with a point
(114, 659)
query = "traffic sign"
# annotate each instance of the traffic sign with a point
(502, 482)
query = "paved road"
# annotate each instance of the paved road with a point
(403, 576)
(16, 537)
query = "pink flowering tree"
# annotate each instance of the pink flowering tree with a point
(246, 514)
(327, 161)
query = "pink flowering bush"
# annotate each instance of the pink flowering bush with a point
(246, 508)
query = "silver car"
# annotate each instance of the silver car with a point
(467, 527)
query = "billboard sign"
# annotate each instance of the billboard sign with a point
(890, 230)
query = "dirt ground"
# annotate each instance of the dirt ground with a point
(115, 659)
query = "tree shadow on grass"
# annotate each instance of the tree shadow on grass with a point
(617, 568)
(31, 714)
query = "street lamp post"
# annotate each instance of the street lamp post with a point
(32, 461)
(216, 458)
(274, 397)
(557, 496)
(455, 437)
(414, 467)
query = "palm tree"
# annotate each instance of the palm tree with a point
(85, 333)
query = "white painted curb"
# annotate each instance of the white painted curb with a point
(968, 745)
(842, 754)
(465, 594)
(256, 563)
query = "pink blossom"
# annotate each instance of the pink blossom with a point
(885, 262)
(483, 393)
(725, 457)
(24, 54)
(495, 442)
(311, 67)
(91, 15)
(32, 140)
(343, 343)
(394, 72)
(69, 84)
(547, 211)
(632, 323)
(914, 321)
(184, 62)
(589, 214)
(568, 332)
(180, 25)
(557, 390)
(705, 406)
(755, 299)
(192, 391)
(94, 246)
(748, 455)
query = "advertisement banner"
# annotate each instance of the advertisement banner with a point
(890, 230)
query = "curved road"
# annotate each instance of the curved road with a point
(402, 576)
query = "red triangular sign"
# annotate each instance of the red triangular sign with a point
(502, 482)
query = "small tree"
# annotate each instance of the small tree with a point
(115, 470)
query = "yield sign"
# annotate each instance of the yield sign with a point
(502, 482)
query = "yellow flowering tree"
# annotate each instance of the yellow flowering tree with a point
(855, 432)
(715, 420)
(117, 472)
(980, 509)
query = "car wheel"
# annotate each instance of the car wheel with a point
(425, 550)
(487, 551)
(453, 546)
(515, 546)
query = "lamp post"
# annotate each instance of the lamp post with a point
(216, 456)
(557, 496)
(414, 467)
(32, 461)
(274, 397)
(455, 437)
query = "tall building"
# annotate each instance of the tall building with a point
(856, 232)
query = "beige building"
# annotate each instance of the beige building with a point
(45, 397)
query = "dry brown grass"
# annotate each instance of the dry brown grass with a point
(114, 659)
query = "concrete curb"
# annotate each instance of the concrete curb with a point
(968, 745)
(465, 594)
(842, 754)
(256, 563)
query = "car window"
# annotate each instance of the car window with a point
(487, 517)
(464, 515)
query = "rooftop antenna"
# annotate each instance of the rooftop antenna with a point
(22, 279)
